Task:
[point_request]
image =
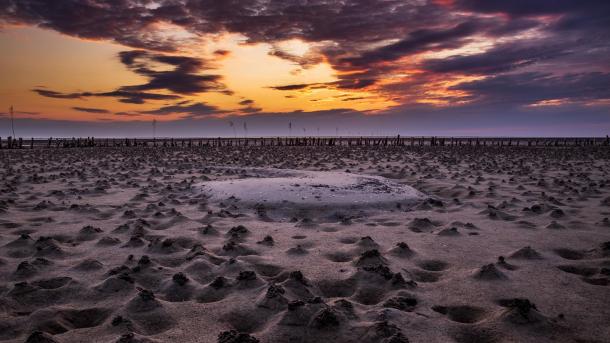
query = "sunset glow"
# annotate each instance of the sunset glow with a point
(195, 61)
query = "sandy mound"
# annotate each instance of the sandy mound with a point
(294, 189)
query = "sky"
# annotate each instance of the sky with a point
(109, 68)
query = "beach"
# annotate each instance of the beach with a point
(305, 244)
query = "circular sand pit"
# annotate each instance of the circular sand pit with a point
(276, 188)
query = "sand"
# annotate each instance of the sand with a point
(305, 244)
(287, 192)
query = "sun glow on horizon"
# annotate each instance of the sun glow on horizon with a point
(249, 71)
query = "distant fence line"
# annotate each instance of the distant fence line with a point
(90, 142)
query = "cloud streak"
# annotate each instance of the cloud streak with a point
(90, 110)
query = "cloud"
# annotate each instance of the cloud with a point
(587, 19)
(532, 87)
(128, 114)
(130, 97)
(532, 51)
(221, 53)
(57, 95)
(124, 21)
(499, 59)
(417, 41)
(29, 113)
(293, 87)
(251, 109)
(90, 110)
(306, 61)
(184, 78)
(196, 110)
(355, 98)
(532, 8)
(123, 96)
(353, 26)
(354, 81)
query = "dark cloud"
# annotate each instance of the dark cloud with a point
(501, 58)
(416, 42)
(307, 61)
(352, 82)
(249, 106)
(57, 95)
(251, 109)
(315, 20)
(291, 87)
(222, 53)
(588, 19)
(123, 96)
(124, 21)
(129, 97)
(532, 8)
(354, 25)
(196, 110)
(90, 110)
(184, 78)
(514, 26)
(353, 98)
(530, 88)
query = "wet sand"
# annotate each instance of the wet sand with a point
(506, 244)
